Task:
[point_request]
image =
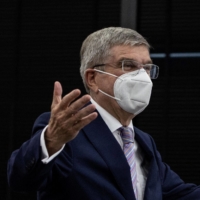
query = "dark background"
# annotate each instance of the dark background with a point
(40, 43)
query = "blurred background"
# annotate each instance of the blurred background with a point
(40, 44)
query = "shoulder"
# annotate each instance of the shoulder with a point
(41, 121)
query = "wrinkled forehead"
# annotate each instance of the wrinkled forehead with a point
(139, 53)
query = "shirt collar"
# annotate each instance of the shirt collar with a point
(112, 123)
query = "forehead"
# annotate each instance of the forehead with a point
(138, 53)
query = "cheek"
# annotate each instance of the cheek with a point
(106, 83)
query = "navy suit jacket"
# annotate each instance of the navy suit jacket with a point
(92, 167)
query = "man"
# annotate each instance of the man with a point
(77, 152)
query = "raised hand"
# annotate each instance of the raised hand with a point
(68, 116)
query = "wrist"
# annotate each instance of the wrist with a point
(51, 144)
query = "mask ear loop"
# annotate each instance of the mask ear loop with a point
(108, 74)
(104, 92)
(109, 95)
(105, 73)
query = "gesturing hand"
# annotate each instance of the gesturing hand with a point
(68, 116)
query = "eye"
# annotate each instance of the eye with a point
(129, 65)
(147, 67)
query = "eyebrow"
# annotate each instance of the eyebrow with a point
(149, 62)
(125, 58)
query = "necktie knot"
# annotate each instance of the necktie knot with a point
(126, 134)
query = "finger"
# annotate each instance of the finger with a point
(81, 114)
(77, 105)
(69, 98)
(57, 94)
(71, 104)
(85, 121)
(75, 128)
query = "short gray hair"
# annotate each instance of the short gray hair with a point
(95, 48)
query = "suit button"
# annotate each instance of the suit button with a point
(33, 161)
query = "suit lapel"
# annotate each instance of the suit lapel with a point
(153, 185)
(109, 149)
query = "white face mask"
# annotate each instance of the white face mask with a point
(132, 90)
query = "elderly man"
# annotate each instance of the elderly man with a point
(87, 148)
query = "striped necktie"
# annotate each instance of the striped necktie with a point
(127, 137)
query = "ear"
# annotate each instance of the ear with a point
(90, 78)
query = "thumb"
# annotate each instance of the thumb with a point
(57, 94)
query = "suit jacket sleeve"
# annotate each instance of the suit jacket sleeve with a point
(25, 169)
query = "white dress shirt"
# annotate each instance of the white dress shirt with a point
(113, 124)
